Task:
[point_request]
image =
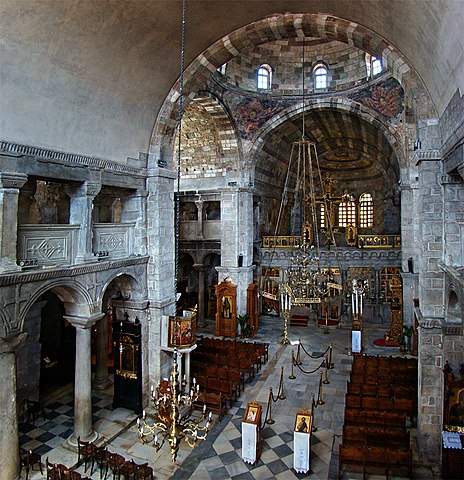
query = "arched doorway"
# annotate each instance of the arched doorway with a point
(46, 380)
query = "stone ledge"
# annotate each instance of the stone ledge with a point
(73, 271)
(66, 158)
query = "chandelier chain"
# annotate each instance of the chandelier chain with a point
(179, 147)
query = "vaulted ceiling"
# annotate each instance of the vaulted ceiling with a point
(90, 76)
(349, 149)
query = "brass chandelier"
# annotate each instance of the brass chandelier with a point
(173, 420)
(304, 281)
(172, 405)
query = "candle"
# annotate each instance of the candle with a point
(204, 408)
(156, 439)
(143, 414)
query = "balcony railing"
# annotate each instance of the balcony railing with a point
(379, 241)
(364, 241)
(47, 244)
(192, 230)
(115, 238)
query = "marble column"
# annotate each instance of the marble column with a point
(201, 294)
(101, 380)
(83, 379)
(80, 213)
(9, 440)
(10, 183)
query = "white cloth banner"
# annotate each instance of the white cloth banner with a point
(301, 452)
(356, 341)
(249, 442)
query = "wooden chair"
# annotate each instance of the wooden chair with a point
(28, 459)
(143, 472)
(86, 452)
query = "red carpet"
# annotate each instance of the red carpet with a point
(380, 342)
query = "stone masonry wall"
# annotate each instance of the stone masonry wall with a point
(347, 66)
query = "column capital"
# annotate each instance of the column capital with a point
(11, 344)
(199, 266)
(12, 180)
(84, 322)
(87, 189)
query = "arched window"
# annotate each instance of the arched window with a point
(346, 214)
(376, 66)
(322, 216)
(320, 73)
(264, 77)
(366, 211)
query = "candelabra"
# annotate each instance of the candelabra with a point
(172, 419)
(285, 307)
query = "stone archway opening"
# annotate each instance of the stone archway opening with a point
(454, 313)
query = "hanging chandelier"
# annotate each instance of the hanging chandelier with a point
(173, 419)
(172, 403)
(304, 279)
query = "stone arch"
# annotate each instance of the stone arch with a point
(341, 104)
(454, 312)
(271, 28)
(128, 284)
(206, 113)
(75, 297)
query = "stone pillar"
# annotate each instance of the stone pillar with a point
(201, 293)
(237, 241)
(453, 189)
(430, 390)
(160, 275)
(10, 183)
(431, 277)
(9, 440)
(134, 210)
(410, 244)
(199, 204)
(101, 380)
(83, 379)
(430, 313)
(80, 213)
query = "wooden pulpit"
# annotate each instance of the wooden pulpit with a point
(226, 309)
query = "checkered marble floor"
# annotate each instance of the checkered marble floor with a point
(219, 456)
(56, 423)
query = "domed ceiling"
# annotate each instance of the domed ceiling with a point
(349, 148)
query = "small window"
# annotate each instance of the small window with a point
(366, 211)
(322, 216)
(264, 80)
(346, 214)
(376, 66)
(320, 77)
(368, 59)
(222, 69)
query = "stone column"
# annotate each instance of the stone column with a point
(134, 210)
(237, 241)
(430, 313)
(10, 183)
(9, 440)
(101, 380)
(83, 379)
(201, 293)
(80, 213)
(199, 204)
(160, 275)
